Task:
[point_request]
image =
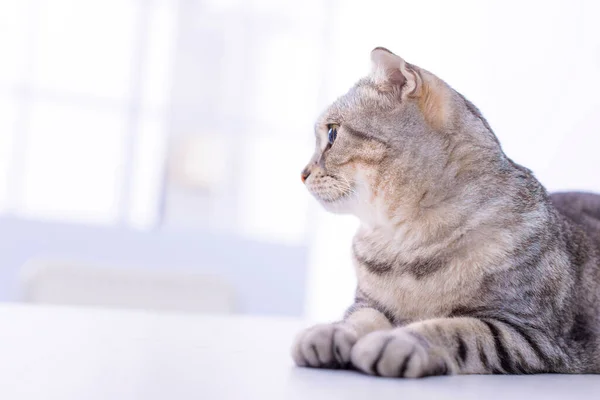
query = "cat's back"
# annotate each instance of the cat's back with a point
(582, 209)
(580, 213)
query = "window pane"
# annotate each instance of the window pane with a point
(273, 203)
(13, 47)
(73, 163)
(306, 11)
(7, 132)
(222, 6)
(86, 46)
(158, 55)
(276, 94)
(198, 185)
(147, 172)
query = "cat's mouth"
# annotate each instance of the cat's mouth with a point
(331, 191)
(333, 200)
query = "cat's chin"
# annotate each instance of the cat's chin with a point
(339, 205)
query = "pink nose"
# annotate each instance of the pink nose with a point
(305, 174)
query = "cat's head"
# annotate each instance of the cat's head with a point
(394, 142)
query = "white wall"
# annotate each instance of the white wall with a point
(532, 67)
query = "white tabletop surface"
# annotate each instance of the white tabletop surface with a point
(87, 354)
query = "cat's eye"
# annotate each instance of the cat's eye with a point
(332, 133)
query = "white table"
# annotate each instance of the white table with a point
(87, 354)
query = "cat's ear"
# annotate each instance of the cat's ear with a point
(392, 72)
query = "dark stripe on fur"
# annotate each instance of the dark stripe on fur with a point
(501, 349)
(462, 350)
(490, 313)
(381, 351)
(404, 365)
(373, 266)
(545, 360)
(364, 136)
(420, 269)
(483, 357)
(424, 268)
(314, 349)
(438, 369)
(361, 301)
(336, 356)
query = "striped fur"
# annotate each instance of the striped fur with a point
(465, 265)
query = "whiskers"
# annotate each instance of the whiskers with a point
(361, 203)
(341, 195)
(342, 184)
(338, 187)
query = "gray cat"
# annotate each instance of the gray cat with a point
(465, 264)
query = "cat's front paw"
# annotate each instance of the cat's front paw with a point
(324, 346)
(396, 353)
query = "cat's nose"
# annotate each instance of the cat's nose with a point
(305, 174)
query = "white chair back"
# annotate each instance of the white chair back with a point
(52, 282)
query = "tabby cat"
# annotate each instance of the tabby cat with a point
(465, 264)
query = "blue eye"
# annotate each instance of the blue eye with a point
(332, 134)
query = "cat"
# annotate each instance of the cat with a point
(464, 263)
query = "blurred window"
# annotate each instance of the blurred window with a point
(84, 88)
(161, 113)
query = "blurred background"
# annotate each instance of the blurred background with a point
(150, 150)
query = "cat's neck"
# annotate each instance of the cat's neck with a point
(445, 220)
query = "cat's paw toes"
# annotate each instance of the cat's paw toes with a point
(395, 353)
(324, 346)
